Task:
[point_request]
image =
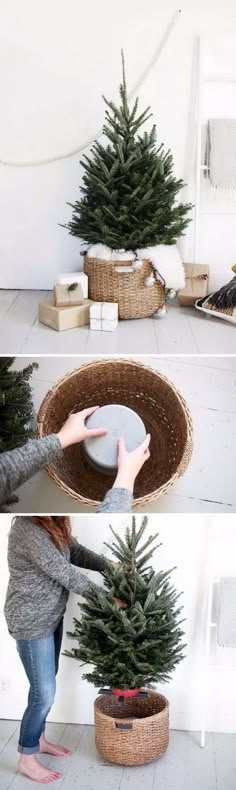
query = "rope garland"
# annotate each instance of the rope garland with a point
(74, 151)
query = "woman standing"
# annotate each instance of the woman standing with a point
(43, 560)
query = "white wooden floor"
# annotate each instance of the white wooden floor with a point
(209, 386)
(183, 331)
(185, 766)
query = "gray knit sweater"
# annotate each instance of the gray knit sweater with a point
(19, 465)
(41, 577)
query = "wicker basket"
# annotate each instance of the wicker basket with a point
(147, 734)
(134, 299)
(151, 395)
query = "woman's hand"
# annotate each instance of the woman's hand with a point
(130, 463)
(74, 429)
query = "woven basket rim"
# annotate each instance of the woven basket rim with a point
(156, 493)
(116, 262)
(111, 261)
(117, 360)
(138, 721)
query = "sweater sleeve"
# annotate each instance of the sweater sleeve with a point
(116, 500)
(17, 466)
(40, 550)
(84, 558)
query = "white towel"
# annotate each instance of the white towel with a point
(221, 152)
(226, 625)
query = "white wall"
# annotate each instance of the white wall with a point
(57, 59)
(199, 546)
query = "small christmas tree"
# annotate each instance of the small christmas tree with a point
(16, 407)
(142, 643)
(129, 191)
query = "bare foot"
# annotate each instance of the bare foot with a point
(29, 765)
(52, 748)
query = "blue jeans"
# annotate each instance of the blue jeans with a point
(40, 658)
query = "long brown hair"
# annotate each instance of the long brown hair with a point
(57, 527)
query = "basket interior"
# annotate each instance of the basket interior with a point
(131, 707)
(130, 384)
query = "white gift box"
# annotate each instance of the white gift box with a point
(75, 277)
(103, 324)
(104, 316)
(106, 311)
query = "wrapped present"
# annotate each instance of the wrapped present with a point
(196, 283)
(104, 316)
(68, 278)
(105, 326)
(61, 318)
(68, 294)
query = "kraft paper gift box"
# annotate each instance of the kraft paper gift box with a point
(104, 316)
(64, 297)
(196, 283)
(75, 277)
(61, 318)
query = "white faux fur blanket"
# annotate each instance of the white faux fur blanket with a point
(104, 253)
(165, 259)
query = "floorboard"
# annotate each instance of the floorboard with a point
(225, 760)
(174, 334)
(7, 729)
(183, 331)
(90, 769)
(171, 768)
(6, 300)
(184, 766)
(18, 322)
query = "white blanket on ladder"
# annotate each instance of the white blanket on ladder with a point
(221, 152)
(226, 630)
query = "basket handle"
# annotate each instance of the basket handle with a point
(120, 726)
(123, 269)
